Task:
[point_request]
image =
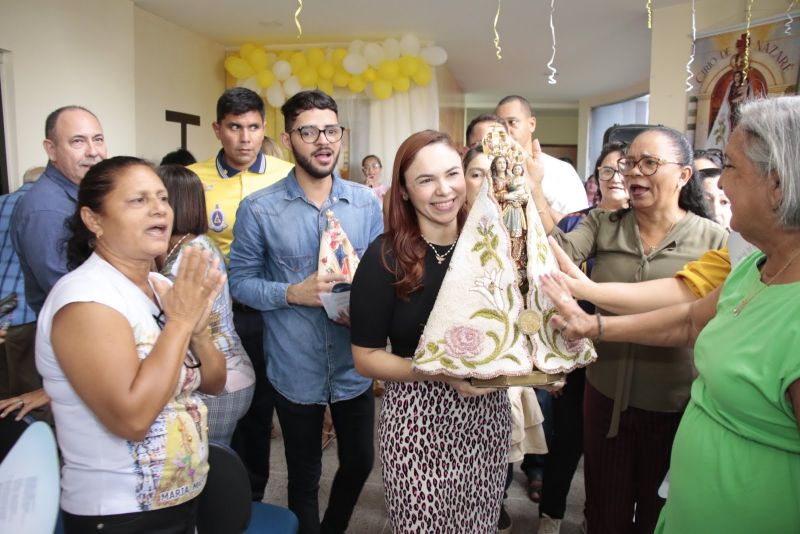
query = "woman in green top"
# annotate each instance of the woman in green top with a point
(735, 463)
(635, 394)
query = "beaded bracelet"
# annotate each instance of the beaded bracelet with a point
(599, 326)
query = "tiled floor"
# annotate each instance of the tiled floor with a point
(370, 513)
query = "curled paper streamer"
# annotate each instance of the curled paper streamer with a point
(746, 68)
(497, 35)
(649, 14)
(552, 78)
(689, 85)
(297, 18)
(788, 24)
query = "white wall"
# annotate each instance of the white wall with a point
(61, 53)
(180, 71)
(124, 64)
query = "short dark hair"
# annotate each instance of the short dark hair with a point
(373, 156)
(238, 101)
(471, 154)
(99, 181)
(516, 98)
(483, 117)
(180, 156)
(608, 148)
(52, 119)
(304, 101)
(187, 198)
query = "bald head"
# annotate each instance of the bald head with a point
(74, 141)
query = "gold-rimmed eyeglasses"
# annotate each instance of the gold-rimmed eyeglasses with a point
(647, 165)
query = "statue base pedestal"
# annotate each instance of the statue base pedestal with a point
(534, 378)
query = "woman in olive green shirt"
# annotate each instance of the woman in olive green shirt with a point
(635, 394)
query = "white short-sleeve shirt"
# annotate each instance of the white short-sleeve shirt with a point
(103, 473)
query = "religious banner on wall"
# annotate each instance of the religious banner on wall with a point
(720, 83)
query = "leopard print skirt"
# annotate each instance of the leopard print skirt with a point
(444, 458)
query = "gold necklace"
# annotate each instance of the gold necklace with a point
(440, 257)
(177, 245)
(750, 295)
(651, 248)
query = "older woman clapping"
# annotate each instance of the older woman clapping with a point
(121, 352)
(635, 386)
(735, 462)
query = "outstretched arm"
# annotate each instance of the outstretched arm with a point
(673, 326)
(617, 297)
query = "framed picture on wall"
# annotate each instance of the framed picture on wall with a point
(723, 78)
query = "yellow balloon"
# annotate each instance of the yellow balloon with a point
(246, 49)
(258, 58)
(298, 61)
(341, 78)
(389, 69)
(409, 65)
(238, 68)
(382, 89)
(423, 76)
(370, 75)
(265, 78)
(285, 55)
(326, 86)
(307, 76)
(338, 55)
(316, 57)
(401, 84)
(326, 71)
(357, 84)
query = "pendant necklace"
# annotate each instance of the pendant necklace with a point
(651, 248)
(750, 295)
(440, 257)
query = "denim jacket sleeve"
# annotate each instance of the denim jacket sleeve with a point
(247, 267)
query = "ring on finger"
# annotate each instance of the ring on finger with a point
(564, 298)
(21, 403)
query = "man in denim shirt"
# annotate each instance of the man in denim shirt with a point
(273, 268)
(74, 142)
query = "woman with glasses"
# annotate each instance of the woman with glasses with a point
(707, 169)
(735, 462)
(635, 394)
(130, 427)
(187, 199)
(372, 168)
(564, 415)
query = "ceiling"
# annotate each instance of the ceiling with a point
(602, 45)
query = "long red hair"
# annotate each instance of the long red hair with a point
(403, 241)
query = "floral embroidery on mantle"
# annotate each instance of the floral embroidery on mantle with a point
(474, 327)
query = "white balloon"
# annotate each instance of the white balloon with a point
(374, 55)
(391, 48)
(409, 44)
(434, 55)
(282, 70)
(354, 64)
(272, 57)
(249, 83)
(292, 86)
(356, 46)
(275, 95)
